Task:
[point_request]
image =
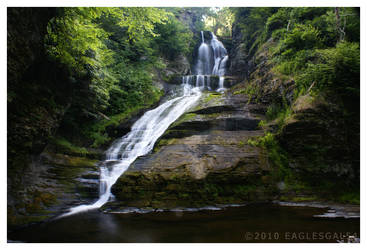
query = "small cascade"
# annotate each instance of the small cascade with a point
(220, 56)
(140, 141)
(212, 61)
(204, 63)
(221, 84)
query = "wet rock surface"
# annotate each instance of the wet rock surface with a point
(202, 159)
(334, 210)
(54, 182)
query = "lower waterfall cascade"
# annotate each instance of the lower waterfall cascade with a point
(147, 130)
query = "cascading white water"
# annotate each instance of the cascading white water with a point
(203, 66)
(146, 131)
(140, 141)
(212, 60)
(220, 59)
(221, 84)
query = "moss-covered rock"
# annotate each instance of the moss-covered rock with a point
(202, 159)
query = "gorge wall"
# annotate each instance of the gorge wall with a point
(34, 82)
(48, 174)
(316, 131)
(260, 140)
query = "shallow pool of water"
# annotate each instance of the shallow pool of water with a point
(250, 223)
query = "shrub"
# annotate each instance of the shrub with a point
(337, 68)
(302, 37)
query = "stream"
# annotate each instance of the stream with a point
(251, 223)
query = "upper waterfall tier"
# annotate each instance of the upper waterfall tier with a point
(212, 57)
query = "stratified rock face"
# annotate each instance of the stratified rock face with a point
(39, 93)
(316, 138)
(53, 183)
(202, 159)
(241, 63)
(38, 90)
(321, 143)
(172, 73)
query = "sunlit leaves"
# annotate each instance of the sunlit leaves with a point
(78, 39)
(141, 20)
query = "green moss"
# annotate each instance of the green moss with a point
(277, 156)
(210, 96)
(34, 208)
(299, 188)
(177, 190)
(40, 200)
(71, 161)
(81, 162)
(163, 142)
(304, 198)
(262, 124)
(349, 198)
(253, 91)
(185, 117)
(17, 220)
(208, 99)
(64, 146)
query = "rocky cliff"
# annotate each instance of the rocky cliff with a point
(38, 91)
(46, 173)
(317, 136)
(229, 148)
(202, 159)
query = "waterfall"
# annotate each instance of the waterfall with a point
(140, 141)
(146, 131)
(204, 64)
(221, 84)
(212, 60)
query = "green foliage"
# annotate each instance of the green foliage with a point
(97, 130)
(174, 38)
(277, 21)
(336, 68)
(140, 20)
(276, 154)
(198, 15)
(301, 37)
(317, 50)
(220, 21)
(292, 65)
(79, 38)
(251, 22)
(310, 54)
(111, 54)
(251, 90)
(66, 147)
(76, 40)
(349, 198)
